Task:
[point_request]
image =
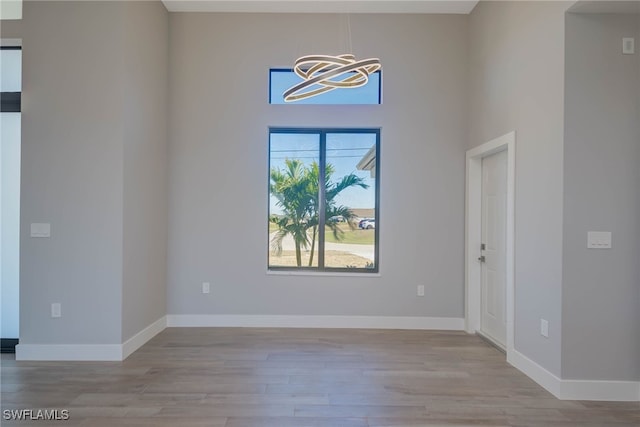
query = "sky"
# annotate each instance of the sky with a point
(344, 151)
(281, 80)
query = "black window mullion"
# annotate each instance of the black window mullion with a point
(321, 198)
(10, 102)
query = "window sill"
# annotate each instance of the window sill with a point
(320, 273)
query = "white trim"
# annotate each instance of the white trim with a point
(491, 341)
(69, 352)
(534, 371)
(11, 42)
(617, 391)
(321, 6)
(472, 240)
(11, 10)
(141, 338)
(623, 391)
(293, 321)
(473, 232)
(90, 352)
(320, 273)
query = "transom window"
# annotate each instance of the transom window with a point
(329, 223)
(281, 79)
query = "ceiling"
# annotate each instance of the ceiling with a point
(606, 6)
(322, 6)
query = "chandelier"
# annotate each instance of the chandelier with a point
(323, 73)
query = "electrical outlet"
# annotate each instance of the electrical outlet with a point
(544, 328)
(206, 287)
(420, 290)
(56, 309)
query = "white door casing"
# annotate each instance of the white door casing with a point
(473, 236)
(493, 317)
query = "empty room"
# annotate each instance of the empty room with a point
(303, 213)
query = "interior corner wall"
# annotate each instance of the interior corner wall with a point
(517, 83)
(220, 115)
(601, 288)
(146, 103)
(72, 172)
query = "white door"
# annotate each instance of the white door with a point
(493, 314)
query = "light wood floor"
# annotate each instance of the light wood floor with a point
(300, 378)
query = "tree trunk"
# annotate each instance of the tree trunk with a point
(298, 255)
(313, 244)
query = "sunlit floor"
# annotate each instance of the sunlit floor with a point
(298, 378)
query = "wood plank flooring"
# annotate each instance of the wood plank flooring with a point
(241, 377)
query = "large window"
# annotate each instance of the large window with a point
(329, 223)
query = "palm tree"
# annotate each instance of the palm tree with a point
(297, 192)
(331, 209)
(295, 195)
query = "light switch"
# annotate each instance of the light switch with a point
(628, 45)
(56, 309)
(544, 328)
(599, 240)
(40, 229)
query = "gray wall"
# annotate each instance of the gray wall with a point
(601, 288)
(146, 90)
(516, 75)
(72, 172)
(218, 162)
(11, 29)
(94, 166)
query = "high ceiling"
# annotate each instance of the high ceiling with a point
(374, 6)
(608, 6)
(322, 6)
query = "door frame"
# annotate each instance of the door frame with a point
(473, 232)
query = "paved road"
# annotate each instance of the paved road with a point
(364, 251)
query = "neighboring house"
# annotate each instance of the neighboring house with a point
(368, 162)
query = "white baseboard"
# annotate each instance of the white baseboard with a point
(90, 352)
(69, 352)
(625, 391)
(351, 322)
(141, 338)
(619, 391)
(534, 371)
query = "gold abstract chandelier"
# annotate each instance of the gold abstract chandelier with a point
(323, 73)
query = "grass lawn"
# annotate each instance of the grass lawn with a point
(272, 227)
(356, 236)
(336, 259)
